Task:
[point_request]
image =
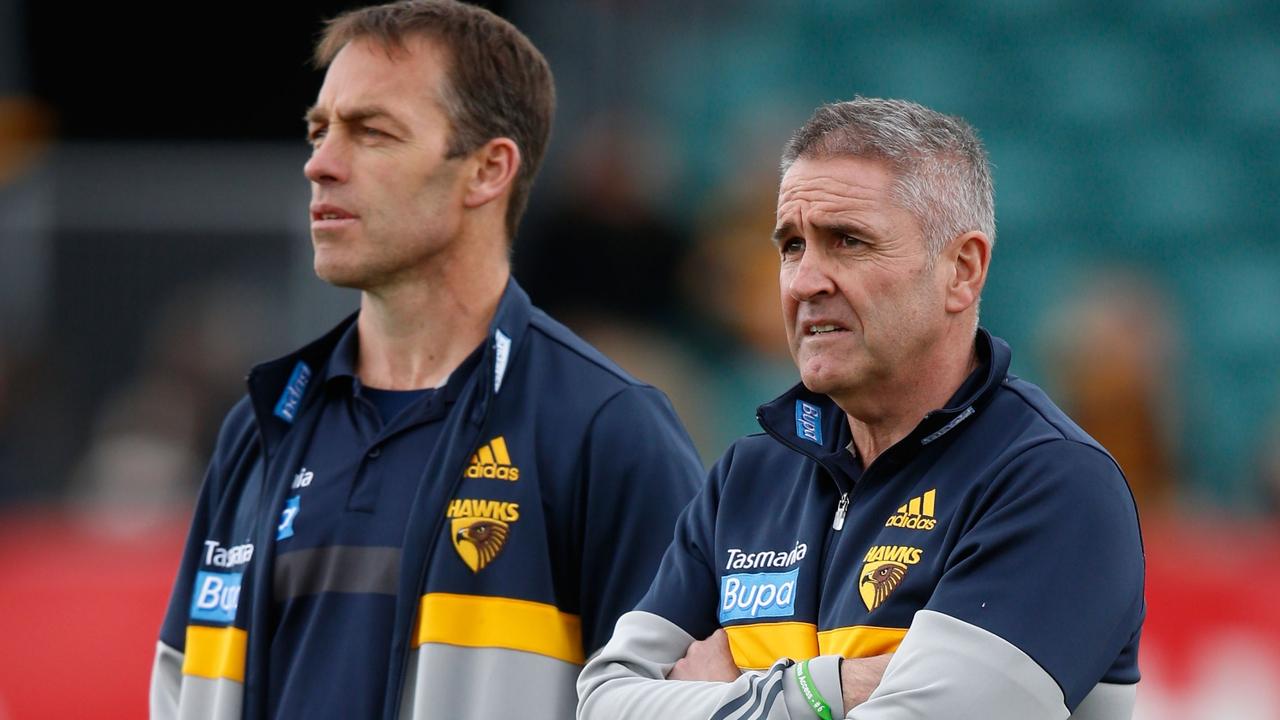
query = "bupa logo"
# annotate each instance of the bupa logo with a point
(757, 595)
(287, 405)
(808, 422)
(292, 506)
(216, 596)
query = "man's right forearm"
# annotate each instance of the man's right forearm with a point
(627, 679)
(859, 677)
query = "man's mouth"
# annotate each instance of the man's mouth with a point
(823, 329)
(325, 211)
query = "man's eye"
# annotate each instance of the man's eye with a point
(373, 132)
(315, 136)
(792, 246)
(849, 241)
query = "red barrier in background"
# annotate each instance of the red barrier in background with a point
(81, 603)
(81, 600)
(1211, 644)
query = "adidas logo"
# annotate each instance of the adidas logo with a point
(492, 461)
(917, 514)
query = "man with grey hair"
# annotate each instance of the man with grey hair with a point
(917, 533)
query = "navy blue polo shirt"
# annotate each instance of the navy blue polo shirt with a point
(339, 539)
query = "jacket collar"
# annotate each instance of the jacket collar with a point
(812, 424)
(282, 389)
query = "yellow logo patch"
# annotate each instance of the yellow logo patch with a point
(493, 461)
(883, 570)
(917, 514)
(480, 528)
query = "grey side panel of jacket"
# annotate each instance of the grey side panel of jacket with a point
(447, 681)
(175, 696)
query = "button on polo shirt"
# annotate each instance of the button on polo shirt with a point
(339, 540)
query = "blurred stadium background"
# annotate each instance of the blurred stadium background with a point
(154, 245)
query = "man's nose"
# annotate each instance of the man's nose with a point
(329, 162)
(811, 277)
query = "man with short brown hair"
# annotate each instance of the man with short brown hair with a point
(497, 84)
(442, 506)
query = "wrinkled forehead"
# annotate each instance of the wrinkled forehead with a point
(835, 184)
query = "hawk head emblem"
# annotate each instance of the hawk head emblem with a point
(478, 540)
(878, 579)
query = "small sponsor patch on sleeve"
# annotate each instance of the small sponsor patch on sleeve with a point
(292, 506)
(287, 406)
(808, 422)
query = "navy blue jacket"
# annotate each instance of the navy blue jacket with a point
(582, 468)
(995, 550)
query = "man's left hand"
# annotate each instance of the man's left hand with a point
(708, 659)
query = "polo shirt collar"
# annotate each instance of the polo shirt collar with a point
(280, 390)
(342, 361)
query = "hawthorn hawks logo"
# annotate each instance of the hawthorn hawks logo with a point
(882, 573)
(479, 529)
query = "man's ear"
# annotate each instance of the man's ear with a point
(495, 165)
(967, 257)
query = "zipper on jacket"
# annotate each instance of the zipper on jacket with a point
(842, 508)
(421, 584)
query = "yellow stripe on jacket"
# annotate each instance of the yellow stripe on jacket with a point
(479, 621)
(215, 652)
(759, 645)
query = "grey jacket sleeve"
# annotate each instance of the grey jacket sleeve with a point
(175, 696)
(626, 679)
(166, 682)
(948, 668)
